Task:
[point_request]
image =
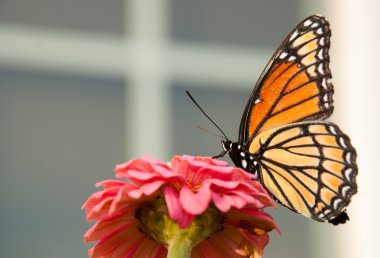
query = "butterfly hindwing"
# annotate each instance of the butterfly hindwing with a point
(308, 166)
(294, 86)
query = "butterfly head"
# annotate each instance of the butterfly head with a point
(227, 145)
(232, 147)
(234, 150)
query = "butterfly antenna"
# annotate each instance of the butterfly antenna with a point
(209, 132)
(220, 130)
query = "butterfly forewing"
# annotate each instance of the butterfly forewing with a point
(294, 86)
(309, 167)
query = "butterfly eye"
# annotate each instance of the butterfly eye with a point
(227, 145)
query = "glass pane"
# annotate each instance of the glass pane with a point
(225, 107)
(85, 15)
(58, 136)
(252, 23)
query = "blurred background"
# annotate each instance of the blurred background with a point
(87, 84)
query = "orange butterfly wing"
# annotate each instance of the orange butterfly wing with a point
(294, 86)
(309, 167)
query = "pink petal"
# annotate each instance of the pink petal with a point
(172, 202)
(104, 228)
(222, 244)
(263, 219)
(223, 202)
(139, 176)
(259, 242)
(146, 189)
(247, 198)
(116, 240)
(148, 248)
(180, 166)
(123, 202)
(110, 183)
(175, 209)
(134, 164)
(197, 161)
(224, 173)
(195, 203)
(142, 177)
(185, 220)
(164, 171)
(129, 251)
(97, 197)
(100, 210)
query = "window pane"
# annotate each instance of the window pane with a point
(85, 15)
(252, 23)
(58, 136)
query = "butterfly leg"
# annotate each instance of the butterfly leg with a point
(224, 152)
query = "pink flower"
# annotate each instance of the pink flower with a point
(137, 217)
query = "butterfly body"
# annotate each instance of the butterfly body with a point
(305, 163)
(241, 157)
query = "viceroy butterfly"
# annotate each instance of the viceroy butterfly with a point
(308, 165)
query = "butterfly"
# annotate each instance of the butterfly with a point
(307, 164)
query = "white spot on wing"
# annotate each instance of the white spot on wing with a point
(332, 130)
(324, 83)
(342, 142)
(283, 55)
(320, 54)
(315, 24)
(348, 173)
(307, 23)
(320, 69)
(258, 100)
(327, 105)
(336, 203)
(349, 157)
(320, 31)
(325, 97)
(291, 58)
(322, 41)
(345, 190)
(294, 35)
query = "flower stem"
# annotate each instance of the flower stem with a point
(180, 248)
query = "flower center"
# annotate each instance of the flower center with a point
(156, 224)
(192, 187)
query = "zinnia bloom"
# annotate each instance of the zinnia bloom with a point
(197, 205)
